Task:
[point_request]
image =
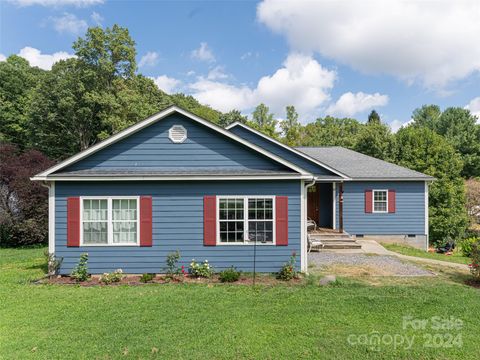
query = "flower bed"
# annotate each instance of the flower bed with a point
(134, 280)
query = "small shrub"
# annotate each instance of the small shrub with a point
(147, 277)
(172, 263)
(466, 245)
(201, 270)
(80, 272)
(475, 264)
(53, 263)
(288, 270)
(113, 277)
(230, 275)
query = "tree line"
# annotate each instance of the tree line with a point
(50, 115)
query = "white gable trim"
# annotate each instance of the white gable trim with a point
(152, 119)
(295, 151)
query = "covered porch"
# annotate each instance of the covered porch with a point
(325, 206)
(325, 218)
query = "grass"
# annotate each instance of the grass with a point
(188, 321)
(456, 257)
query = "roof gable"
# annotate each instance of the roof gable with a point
(316, 167)
(145, 147)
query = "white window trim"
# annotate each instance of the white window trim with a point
(373, 201)
(245, 220)
(109, 199)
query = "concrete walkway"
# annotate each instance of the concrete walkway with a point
(373, 247)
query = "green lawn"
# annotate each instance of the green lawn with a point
(189, 321)
(456, 257)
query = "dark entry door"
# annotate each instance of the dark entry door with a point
(313, 203)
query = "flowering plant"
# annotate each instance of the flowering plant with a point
(108, 278)
(288, 270)
(201, 269)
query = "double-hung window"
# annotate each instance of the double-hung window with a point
(110, 221)
(245, 219)
(380, 201)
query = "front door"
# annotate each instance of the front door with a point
(313, 203)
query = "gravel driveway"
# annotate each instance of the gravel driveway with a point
(379, 264)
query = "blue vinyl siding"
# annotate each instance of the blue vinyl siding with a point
(151, 148)
(409, 217)
(177, 225)
(280, 151)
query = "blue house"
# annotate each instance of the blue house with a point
(175, 181)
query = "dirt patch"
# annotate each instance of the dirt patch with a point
(473, 283)
(134, 280)
(359, 270)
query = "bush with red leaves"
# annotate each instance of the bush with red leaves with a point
(23, 203)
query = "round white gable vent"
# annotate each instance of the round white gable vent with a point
(177, 134)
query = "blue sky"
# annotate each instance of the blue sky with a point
(342, 58)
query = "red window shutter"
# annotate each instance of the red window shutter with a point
(281, 217)
(145, 221)
(73, 221)
(391, 201)
(209, 220)
(368, 201)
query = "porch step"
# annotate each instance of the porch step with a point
(322, 237)
(328, 245)
(333, 241)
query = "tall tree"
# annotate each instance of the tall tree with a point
(459, 127)
(84, 100)
(110, 53)
(18, 81)
(331, 131)
(423, 150)
(23, 203)
(232, 117)
(376, 139)
(291, 127)
(427, 116)
(264, 120)
(374, 118)
(191, 104)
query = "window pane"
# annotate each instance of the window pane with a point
(95, 233)
(268, 214)
(223, 203)
(223, 236)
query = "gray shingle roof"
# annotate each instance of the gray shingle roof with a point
(359, 166)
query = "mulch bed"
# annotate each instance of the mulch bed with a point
(134, 280)
(473, 283)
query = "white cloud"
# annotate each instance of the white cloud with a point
(427, 41)
(97, 18)
(217, 73)
(69, 23)
(2, 57)
(203, 53)
(396, 125)
(350, 104)
(301, 82)
(43, 61)
(474, 107)
(166, 83)
(57, 3)
(221, 96)
(149, 59)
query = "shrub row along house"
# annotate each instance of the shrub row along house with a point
(178, 182)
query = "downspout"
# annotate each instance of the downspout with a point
(304, 229)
